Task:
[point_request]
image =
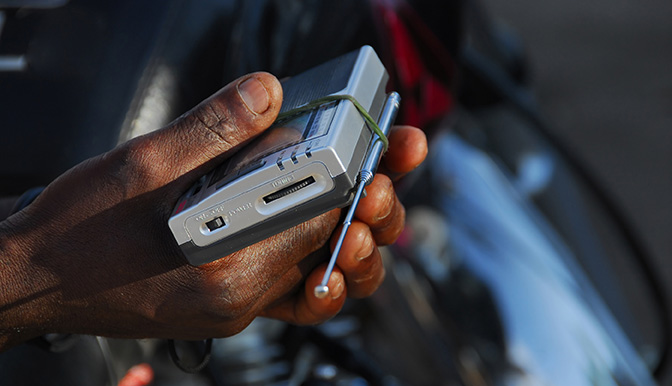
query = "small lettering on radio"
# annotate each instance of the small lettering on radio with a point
(239, 209)
(283, 181)
(210, 213)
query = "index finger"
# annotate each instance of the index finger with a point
(407, 150)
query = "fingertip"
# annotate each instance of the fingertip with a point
(254, 95)
(249, 102)
(382, 211)
(260, 96)
(260, 92)
(408, 149)
(360, 261)
(304, 307)
(325, 307)
(357, 245)
(366, 248)
(379, 201)
(335, 284)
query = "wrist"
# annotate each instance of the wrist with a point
(26, 298)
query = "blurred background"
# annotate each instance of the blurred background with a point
(602, 71)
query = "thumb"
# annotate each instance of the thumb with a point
(224, 121)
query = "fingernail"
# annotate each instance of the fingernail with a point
(337, 290)
(381, 216)
(366, 250)
(389, 203)
(254, 95)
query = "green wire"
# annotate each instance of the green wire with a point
(331, 98)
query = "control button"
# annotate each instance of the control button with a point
(279, 163)
(216, 223)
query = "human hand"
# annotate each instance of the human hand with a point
(93, 254)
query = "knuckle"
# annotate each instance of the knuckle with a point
(132, 169)
(223, 306)
(212, 120)
(234, 309)
(215, 120)
(233, 300)
(209, 116)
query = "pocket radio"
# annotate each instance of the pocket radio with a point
(299, 168)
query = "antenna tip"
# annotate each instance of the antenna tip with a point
(321, 291)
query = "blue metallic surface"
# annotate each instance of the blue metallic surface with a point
(556, 328)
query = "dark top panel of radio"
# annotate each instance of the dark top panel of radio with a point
(319, 81)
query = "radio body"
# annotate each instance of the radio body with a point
(297, 169)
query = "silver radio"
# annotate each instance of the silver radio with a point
(299, 168)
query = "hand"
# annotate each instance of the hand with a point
(93, 253)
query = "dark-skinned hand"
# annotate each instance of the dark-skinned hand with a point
(93, 254)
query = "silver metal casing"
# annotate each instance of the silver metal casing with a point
(296, 170)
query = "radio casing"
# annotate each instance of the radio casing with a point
(296, 170)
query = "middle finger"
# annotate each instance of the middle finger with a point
(382, 211)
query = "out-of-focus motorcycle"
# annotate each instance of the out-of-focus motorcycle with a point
(513, 268)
